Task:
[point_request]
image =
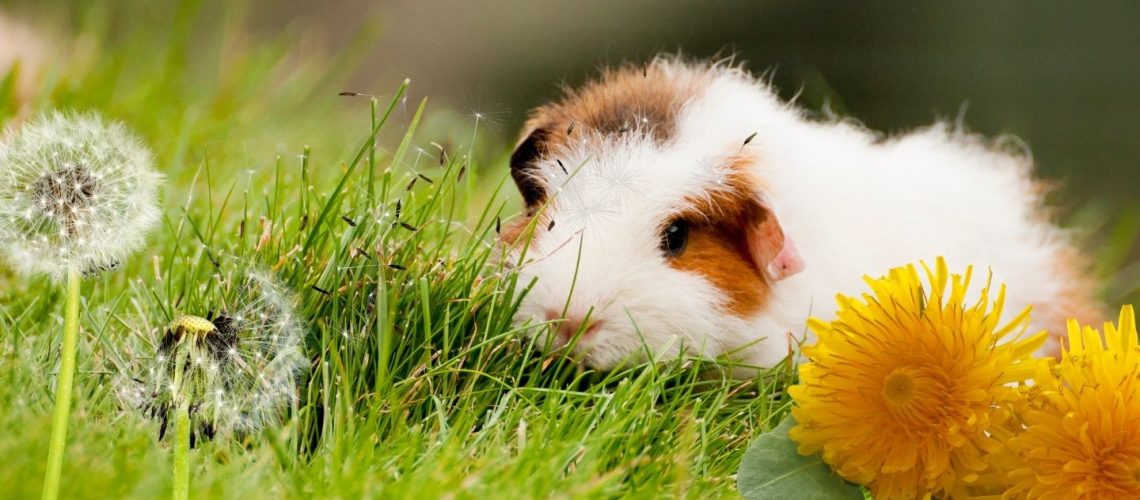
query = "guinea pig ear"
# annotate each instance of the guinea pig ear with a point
(772, 250)
(523, 160)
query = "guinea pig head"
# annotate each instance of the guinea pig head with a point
(642, 243)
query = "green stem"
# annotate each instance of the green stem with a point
(182, 451)
(181, 436)
(63, 388)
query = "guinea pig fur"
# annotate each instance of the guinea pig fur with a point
(682, 207)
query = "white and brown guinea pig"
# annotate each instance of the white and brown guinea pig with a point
(685, 207)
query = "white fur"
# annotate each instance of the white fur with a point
(855, 204)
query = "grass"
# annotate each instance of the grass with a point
(419, 383)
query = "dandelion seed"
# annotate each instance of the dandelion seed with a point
(749, 139)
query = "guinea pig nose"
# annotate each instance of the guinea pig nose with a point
(570, 325)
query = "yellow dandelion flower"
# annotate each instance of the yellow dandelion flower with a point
(899, 391)
(1082, 436)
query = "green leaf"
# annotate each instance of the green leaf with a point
(772, 469)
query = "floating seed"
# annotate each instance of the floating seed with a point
(749, 139)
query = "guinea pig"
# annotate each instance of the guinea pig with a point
(684, 208)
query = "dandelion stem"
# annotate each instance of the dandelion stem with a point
(181, 431)
(182, 451)
(63, 388)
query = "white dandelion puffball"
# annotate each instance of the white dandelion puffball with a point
(238, 370)
(76, 191)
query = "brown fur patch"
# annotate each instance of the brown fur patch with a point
(646, 99)
(518, 232)
(718, 243)
(513, 231)
(717, 253)
(631, 100)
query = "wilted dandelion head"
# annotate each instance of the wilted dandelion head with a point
(899, 392)
(1081, 425)
(76, 191)
(237, 370)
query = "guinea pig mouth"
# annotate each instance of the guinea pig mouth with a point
(572, 329)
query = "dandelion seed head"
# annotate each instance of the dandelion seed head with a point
(237, 370)
(76, 191)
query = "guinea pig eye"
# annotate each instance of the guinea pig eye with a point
(674, 238)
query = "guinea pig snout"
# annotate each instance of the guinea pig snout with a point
(570, 324)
